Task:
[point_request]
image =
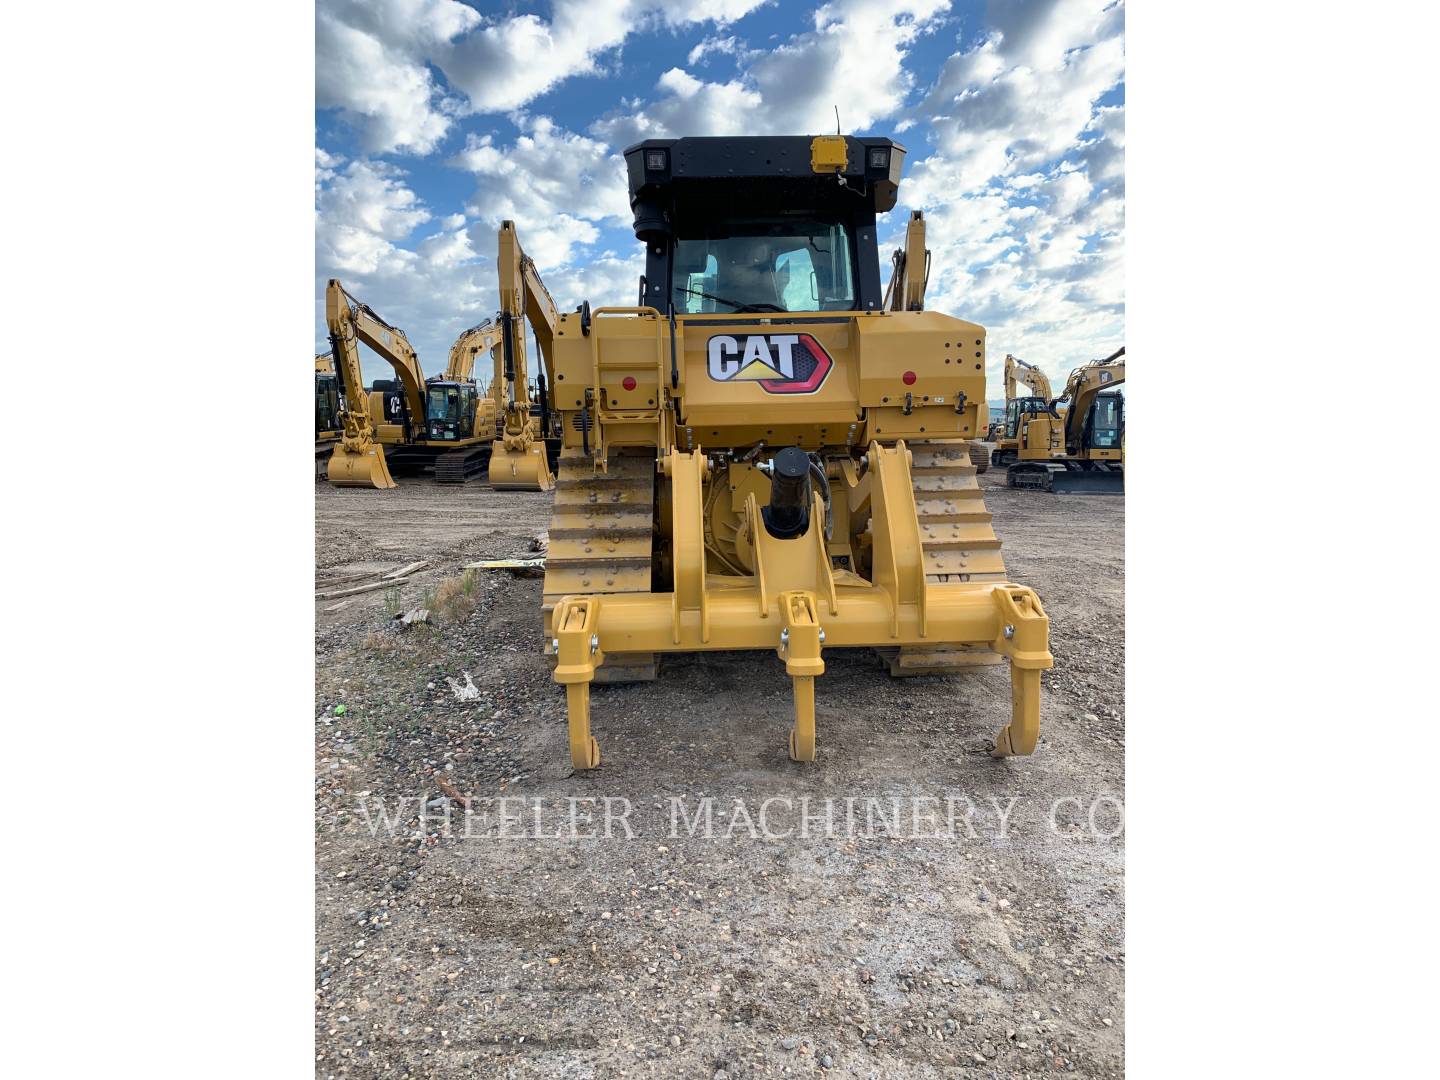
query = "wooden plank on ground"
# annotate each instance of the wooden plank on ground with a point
(335, 594)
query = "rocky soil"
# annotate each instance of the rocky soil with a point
(904, 907)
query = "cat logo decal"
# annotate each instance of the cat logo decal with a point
(780, 363)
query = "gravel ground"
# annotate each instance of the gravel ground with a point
(536, 938)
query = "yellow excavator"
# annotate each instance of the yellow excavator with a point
(1006, 438)
(766, 453)
(457, 411)
(1076, 444)
(520, 458)
(412, 423)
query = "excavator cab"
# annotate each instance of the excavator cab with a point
(450, 409)
(327, 405)
(1105, 426)
(1024, 406)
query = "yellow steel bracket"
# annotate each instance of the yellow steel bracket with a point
(828, 153)
(782, 563)
(577, 649)
(899, 560)
(799, 647)
(687, 471)
(1025, 638)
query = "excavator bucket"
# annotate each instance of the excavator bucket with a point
(366, 469)
(516, 471)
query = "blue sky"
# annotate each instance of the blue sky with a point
(437, 119)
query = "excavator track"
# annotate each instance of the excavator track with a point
(1068, 478)
(601, 540)
(461, 466)
(958, 541)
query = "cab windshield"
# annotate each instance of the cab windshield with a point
(778, 264)
(1105, 422)
(444, 403)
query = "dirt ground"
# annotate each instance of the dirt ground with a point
(875, 930)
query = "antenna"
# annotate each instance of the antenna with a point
(837, 119)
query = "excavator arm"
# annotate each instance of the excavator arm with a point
(1018, 371)
(391, 344)
(359, 459)
(1081, 388)
(476, 340)
(910, 269)
(518, 460)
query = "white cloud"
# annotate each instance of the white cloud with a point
(1024, 95)
(370, 63)
(361, 211)
(554, 184)
(607, 279)
(854, 58)
(374, 57)
(509, 62)
(1024, 197)
(1018, 167)
(366, 214)
(712, 46)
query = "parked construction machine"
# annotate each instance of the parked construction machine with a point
(765, 453)
(520, 458)
(1076, 445)
(1006, 439)
(458, 411)
(444, 423)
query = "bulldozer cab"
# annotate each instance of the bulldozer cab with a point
(450, 409)
(1105, 426)
(782, 264)
(1015, 408)
(757, 225)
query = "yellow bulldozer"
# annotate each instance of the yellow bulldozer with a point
(1073, 444)
(767, 453)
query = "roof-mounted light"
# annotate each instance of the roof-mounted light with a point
(655, 160)
(880, 157)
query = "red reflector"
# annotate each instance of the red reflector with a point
(628, 383)
(908, 378)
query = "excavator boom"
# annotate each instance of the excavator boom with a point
(478, 339)
(1081, 389)
(358, 459)
(518, 460)
(1018, 371)
(910, 269)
